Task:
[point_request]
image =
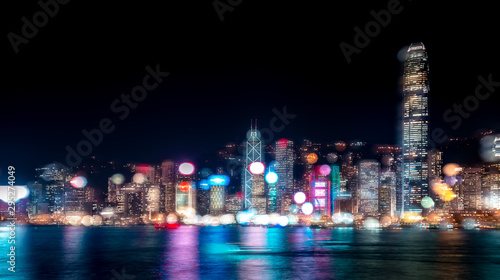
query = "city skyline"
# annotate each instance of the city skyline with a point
(232, 139)
(262, 79)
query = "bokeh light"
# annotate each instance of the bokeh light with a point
(385, 221)
(282, 143)
(307, 208)
(186, 168)
(205, 172)
(451, 169)
(411, 217)
(204, 184)
(227, 219)
(108, 212)
(450, 180)
(20, 191)
(97, 220)
(274, 218)
(294, 209)
(184, 186)
(262, 220)
(427, 202)
(87, 220)
(118, 179)
(139, 178)
(299, 197)
(312, 158)
(489, 150)
(342, 218)
(218, 180)
(172, 218)
(256, 168)
(433, 218)
(325, 169)
(271, 177)
(78, 182)
(244, 217)
(469, 223)
(293, 220)
(332, 157)
(283, 221)
(340, 146)
(371, 223)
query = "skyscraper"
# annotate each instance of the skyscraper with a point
(415, 127)
(217, 200)
(253, 151)
(259, 194)
(387, 193)
(369, 172)
(167, 189)
(284, 169)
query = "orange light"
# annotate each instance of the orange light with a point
(184, 186)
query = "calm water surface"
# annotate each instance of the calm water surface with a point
(250, 253)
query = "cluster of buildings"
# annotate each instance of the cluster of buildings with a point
(337, 177)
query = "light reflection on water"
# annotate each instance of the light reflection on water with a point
(251, 253)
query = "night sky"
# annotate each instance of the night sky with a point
(263, 55)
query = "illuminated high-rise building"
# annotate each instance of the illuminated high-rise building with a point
(369, 172)
(415, 127)
(259, 195)
(320, 195)
(253, 151)
(35, 199)
(335, 184)
(54, 177)
(217, 200)
(167, 189)
(387, 193)
(472, 187)
(284, 169)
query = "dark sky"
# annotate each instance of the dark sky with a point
(264, 55)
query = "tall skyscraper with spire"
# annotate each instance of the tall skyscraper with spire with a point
(415, 127)
(253, 151)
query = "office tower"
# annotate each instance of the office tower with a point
(259, 194)
(54, 178)
(491, 188)
(167, 189)
(35, 199)
(217, 200)
(89, 194)
(74, 201)
(320, 195)
(435, 164)
(253, 151)
(369, 171)
(284, 169)
(335, 185)
(151, 199)
(272, 197)
(472, 187)
(415, 127)
(185, 197)
(233, 203)
(203, 201)
(387, 193)
(343, 203)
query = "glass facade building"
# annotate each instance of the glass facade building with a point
(415, 127)
(253, 151)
